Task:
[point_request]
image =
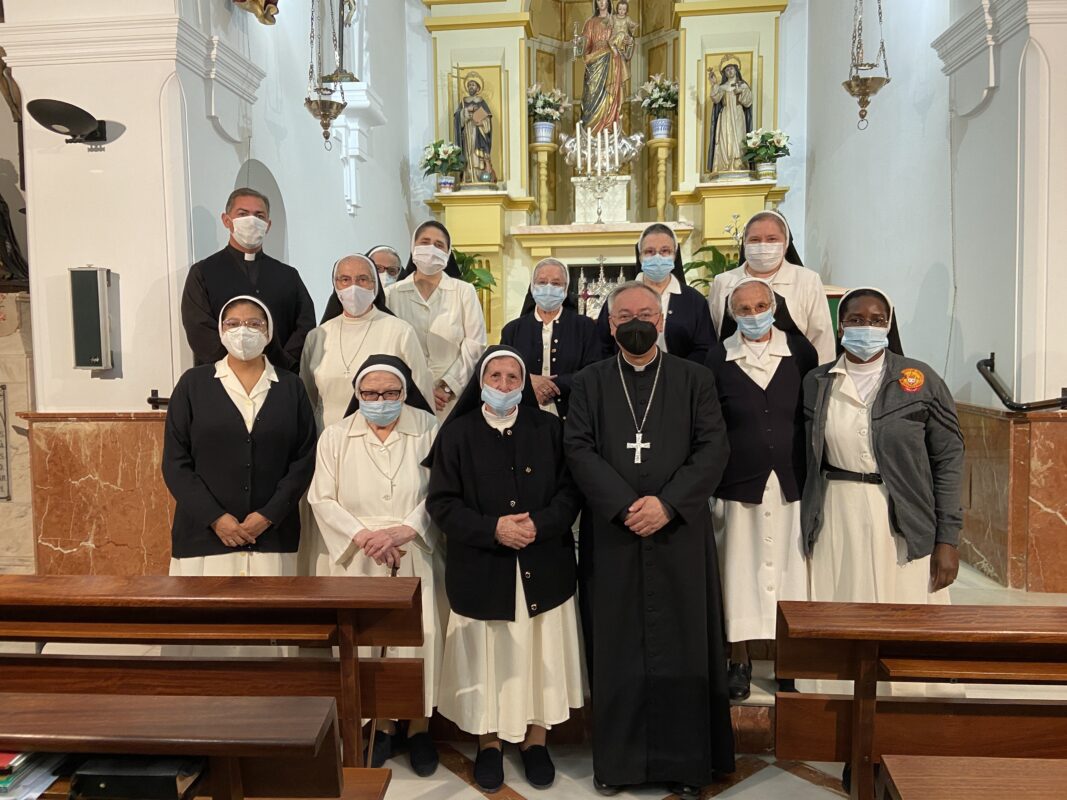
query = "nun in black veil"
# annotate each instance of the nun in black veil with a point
(502, 495)
(369, 501)
(687, 328)
(554, 339)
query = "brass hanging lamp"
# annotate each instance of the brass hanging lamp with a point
(864, 87)
(319, 102)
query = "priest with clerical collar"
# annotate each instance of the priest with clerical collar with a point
(242, 268)
(646, 443)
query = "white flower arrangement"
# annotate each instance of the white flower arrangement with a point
(545, 106)
(763, 146)
(441, 158)
(658, 96)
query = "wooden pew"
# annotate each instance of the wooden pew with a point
(926, 777)
(866, 643)
(313, 612)
(263, 746)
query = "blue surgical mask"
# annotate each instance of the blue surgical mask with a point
(501, 403)
(757, 325)
(865, 341)
(657, 267)
(381, 412)
(386, 279)
(547, 296)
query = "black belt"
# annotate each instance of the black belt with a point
(834, 474)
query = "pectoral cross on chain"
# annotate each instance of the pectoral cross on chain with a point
(637, 446)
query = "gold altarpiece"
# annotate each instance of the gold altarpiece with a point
(518, 219)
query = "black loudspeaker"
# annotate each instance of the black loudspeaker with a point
(91, 318)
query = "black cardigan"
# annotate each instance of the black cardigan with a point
(479, 475)
(765, 426)
(574, 346)
(688, 329)
(213, 465)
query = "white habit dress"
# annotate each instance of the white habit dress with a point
(857, 557)
(240, 563)
(333, 354)
(500, 676)
(450, 328)
(804, 295)
(760, 546)
(363, 483)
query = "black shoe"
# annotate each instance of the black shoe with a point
(489, 769)
(423, 754)
(381, 751)
(684, 790)
(540, 771)
(605, 789)
(787, 685)
(846, 778)
(739, 681)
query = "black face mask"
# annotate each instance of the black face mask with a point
(636, 336)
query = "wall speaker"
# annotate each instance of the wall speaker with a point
(91, 317)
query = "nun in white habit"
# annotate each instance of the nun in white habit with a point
(444, 311)
(368, 497)
(365, 326)
(767, 251)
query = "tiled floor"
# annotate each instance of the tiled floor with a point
(757, 777)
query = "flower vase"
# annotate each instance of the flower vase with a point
(544, 132)
(766, 171)
(446, 184)
(661, 128)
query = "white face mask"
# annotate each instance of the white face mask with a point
(243, 343)
(764, 258)
(355, 300)
(249, 231)
(428, 259)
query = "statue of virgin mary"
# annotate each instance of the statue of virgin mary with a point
(608, 48)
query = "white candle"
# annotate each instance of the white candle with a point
(599, 152)
(588, 150)
(615, 130)
(579, 148)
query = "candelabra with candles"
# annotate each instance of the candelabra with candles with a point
(597, 156)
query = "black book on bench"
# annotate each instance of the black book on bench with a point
(135, 778)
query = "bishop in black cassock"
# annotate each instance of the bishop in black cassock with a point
(646, 443)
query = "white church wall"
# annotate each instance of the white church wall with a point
(877, 201)
(793, 114)
(148, 204)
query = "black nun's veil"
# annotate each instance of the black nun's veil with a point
(412, 396)
(470, 399)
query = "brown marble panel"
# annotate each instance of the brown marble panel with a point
(1047, 535)
(986, 503)
(100, 506)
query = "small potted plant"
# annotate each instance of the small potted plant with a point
(442, 159)
(763, 149)
(658, 96)
(546, 108)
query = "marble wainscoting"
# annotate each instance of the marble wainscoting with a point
(1015, 497)
(100, 506)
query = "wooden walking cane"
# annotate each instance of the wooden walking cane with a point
(374, 720)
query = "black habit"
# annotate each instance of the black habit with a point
(225, 275)
(214, 466)
(480, 474)
(661, 710)
(765, 426)
(574, 346)
(688, 329)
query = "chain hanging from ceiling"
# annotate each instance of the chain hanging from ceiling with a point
(864, 87)
(320, 100)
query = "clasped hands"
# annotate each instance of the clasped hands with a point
(442, 395)
(544, 387)
(235, 534)
(515, 530)
(383, 545)
(646, 516)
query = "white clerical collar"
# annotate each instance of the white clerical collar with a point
(639, 368)
(673, 286)
(537, 313)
